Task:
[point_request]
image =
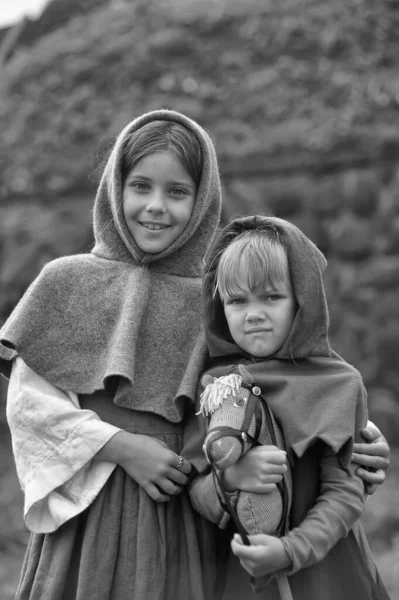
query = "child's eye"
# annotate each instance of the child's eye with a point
(275, 297)
(140, 186)
(178, 192)
(237, 301)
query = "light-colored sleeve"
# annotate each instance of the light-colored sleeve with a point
(338, 507)
(54, 442)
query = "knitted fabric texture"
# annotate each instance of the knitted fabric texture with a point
(119, 311)
(313, 393)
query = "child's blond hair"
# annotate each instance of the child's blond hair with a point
(258, 255)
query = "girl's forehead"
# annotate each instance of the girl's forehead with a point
(166, 159)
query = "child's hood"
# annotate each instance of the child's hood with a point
(317, 397)
(309, 333)
(185, 255)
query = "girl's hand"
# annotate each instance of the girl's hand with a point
(265, 555)
(373, 455)
(257, 471)
(150, 462)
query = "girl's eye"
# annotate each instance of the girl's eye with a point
(140, 186)
(178, 192)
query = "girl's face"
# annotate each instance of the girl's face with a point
(260, 323)
(158, 199)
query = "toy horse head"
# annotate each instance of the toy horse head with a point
(225, 400)
(240, 418)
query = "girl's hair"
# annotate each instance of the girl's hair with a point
(164, 136)
(259, 256)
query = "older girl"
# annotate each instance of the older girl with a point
(105, 351)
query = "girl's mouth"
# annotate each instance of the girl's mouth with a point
(153, 226)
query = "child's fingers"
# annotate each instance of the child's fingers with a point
(371, 461)
(260, 539)
(371, 432)
(155, 493)
(258, 487)
(241, 551)
(274, 469)
(372, 477)
(271, 454)
(177, 476)
(372, 449)
(181, 464)
(370, 488)
(238, 539)
(168, 487)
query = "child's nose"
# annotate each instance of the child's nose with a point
(156, 203)
(255, 314)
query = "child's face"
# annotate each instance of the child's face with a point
(158, 199)
(260, 323)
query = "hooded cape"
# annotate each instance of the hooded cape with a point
(119, 311)
(313, 393)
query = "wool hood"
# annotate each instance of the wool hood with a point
(313, 392)
(309, 333)
(119, 311)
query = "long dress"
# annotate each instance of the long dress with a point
(125, 545)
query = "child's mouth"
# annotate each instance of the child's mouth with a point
(153, 226)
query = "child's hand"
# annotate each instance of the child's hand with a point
(150, 462)
(374, 455)
(266, 554)
(257, 471)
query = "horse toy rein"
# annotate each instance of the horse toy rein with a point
(239, 419)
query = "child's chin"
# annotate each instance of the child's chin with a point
(260, 352)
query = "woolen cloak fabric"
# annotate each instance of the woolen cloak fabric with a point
(313, 393)
(119, 311)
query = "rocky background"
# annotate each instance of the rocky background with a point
(302, 101)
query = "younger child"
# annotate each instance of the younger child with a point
(265, 308)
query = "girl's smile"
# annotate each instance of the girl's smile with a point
(158, 199)
(153, 226)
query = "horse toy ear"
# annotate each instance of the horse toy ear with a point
(207, 380)
(245, 375)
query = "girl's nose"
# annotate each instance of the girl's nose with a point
(156, 203)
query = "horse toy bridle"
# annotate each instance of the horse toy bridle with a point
(256, 406)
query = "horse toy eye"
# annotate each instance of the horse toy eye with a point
(239, 401)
